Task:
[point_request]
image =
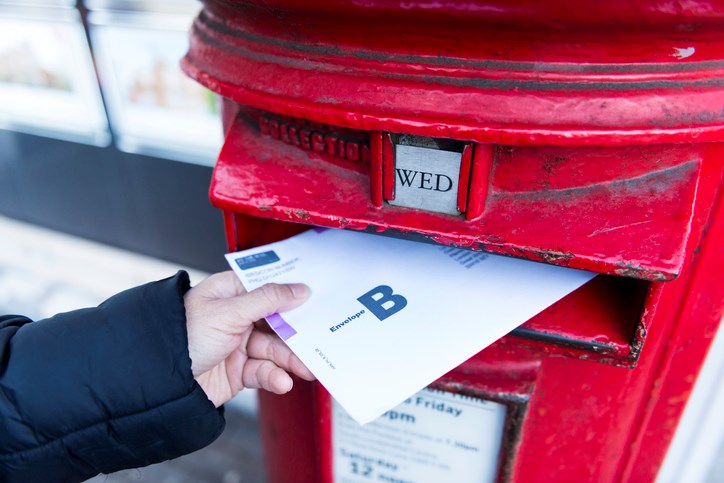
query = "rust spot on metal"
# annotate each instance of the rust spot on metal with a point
(637, 343)
(554, 256)
(633, 271)
(550, 164)
(301, 214)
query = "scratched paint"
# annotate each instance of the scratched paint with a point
(683, 53)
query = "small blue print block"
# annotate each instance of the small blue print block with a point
(257, 260)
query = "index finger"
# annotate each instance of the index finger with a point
(270, 347)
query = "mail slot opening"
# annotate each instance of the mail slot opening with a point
(605, 317)
(604, 320)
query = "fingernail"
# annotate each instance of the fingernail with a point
(299, 290)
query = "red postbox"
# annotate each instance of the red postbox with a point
(581, 134)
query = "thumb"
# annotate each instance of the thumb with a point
(270, 299)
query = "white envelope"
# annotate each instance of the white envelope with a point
(387, 316)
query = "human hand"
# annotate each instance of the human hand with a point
(228, 352)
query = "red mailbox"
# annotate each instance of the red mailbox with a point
(581, 134)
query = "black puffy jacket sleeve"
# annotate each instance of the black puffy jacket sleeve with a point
(101, 389)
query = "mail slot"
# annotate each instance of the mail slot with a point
(564, 134)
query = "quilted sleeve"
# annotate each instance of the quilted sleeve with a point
(101, 389)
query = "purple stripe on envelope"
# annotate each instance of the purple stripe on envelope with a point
(280, 326)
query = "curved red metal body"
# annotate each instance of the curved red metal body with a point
(594, 134)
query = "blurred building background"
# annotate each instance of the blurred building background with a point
(102, 135)
(106, 152)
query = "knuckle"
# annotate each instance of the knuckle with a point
(274, 293)
(263, 374)
(271, 352)
(270, 292)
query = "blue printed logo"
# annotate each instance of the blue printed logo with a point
(257, 260)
